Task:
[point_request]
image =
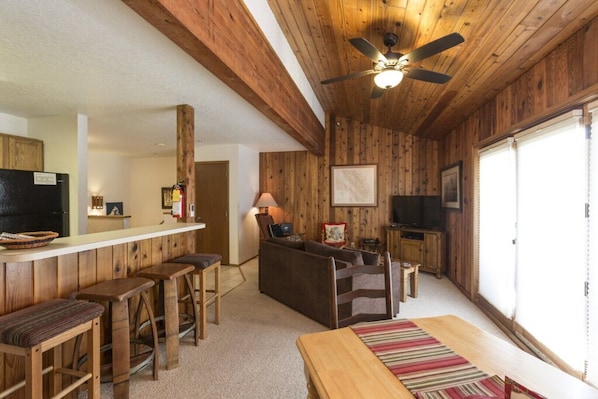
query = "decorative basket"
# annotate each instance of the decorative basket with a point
(36, 239)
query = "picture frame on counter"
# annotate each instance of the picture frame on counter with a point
(166, 197)
(114, 209)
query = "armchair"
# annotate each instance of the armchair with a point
(264, 220)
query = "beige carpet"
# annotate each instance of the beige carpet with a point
(252, 353)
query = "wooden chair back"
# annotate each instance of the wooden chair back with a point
(384, 291)
(264, 220)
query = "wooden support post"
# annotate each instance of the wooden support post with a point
(171, 323)
(120, 349)
(185, 169)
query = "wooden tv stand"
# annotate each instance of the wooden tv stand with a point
(423, 246)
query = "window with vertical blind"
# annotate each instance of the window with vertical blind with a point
(533, 235)
(591, 372)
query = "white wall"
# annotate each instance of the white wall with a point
(109, 176)
(243, 189)
(14, 125)
(148, 176)
(65, 151)
(248, 182)
(136, 182)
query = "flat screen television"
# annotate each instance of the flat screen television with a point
(422, 211)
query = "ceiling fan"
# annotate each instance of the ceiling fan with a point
(390, 68)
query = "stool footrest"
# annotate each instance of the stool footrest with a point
(137, 361)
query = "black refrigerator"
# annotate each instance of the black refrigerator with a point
(34, 201)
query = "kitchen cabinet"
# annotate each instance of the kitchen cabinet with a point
(21, 153)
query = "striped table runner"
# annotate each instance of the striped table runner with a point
(427, 368)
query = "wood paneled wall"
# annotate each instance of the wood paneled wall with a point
(300, 181)
(566, 78)
(26, 283)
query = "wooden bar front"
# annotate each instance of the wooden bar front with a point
(69, 264)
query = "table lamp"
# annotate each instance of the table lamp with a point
(266, 200)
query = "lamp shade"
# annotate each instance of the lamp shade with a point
(265, 201)
(388, 78)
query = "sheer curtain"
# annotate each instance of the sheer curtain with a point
(551, 237)
(497, 226)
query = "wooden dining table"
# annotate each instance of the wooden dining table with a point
(338, 365)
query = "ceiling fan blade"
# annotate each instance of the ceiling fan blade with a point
(368, 49)
(425, 75)
(432, 48)
(349, 76)
(377, 92)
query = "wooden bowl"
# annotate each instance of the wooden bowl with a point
(38, 239)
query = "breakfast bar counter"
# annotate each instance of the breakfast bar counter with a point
(85, 242)
(70, 264)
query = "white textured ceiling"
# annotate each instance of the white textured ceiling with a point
(99, 58)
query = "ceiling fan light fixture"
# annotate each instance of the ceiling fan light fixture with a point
(388, 78)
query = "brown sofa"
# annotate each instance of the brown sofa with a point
(296, 274)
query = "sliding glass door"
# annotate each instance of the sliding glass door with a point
(592, 329)
(533, 244)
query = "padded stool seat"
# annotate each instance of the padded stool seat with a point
(167, 274)
(205, 263)
(117, 292)
(199, 260)
(36, 329)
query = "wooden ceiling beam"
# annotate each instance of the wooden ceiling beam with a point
(226, 40)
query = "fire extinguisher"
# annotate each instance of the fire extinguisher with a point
(178, 200)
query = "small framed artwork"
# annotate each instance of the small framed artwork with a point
(450, 187)
(166, 197)
(114, 208)
(354, 185)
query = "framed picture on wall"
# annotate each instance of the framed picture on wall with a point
(166, 197)
(450, 187)
(354, 185)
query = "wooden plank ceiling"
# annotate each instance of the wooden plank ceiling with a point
(503, 39)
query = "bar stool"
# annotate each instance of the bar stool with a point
(31, 331)
(117, 292)
(167, 274)
(205, 263)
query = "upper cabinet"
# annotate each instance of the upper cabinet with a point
(22, 153)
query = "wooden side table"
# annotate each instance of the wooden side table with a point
(376, 246)
(409, 270)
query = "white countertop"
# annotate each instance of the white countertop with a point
(69, 245)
